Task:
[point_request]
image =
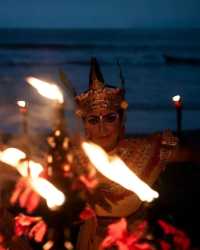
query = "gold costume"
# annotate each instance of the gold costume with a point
(147, 157)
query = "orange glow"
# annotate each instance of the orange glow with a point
(116, 170)
(48, 90)
(48, 245)
(176, 98)
(17, 158)
(21, 104)
(48, 191)
(177, 101)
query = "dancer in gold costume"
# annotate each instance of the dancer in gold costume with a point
(102, 108)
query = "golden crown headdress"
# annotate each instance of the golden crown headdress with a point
(100, 96)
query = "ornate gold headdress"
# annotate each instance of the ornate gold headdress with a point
(100, 96)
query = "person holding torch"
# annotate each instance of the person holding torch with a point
(102, 109)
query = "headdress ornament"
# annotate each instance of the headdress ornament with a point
(100, 96)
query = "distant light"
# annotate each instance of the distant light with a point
(48, 245)
(21, 104)
(176, 98)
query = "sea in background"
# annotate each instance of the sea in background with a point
(150, 80)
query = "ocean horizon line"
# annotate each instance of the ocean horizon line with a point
(103, 28)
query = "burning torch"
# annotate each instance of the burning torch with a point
(177, 100)
(59, 161)
(24, 113)
(54, 93)
(58, 139)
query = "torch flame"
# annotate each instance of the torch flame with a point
(17, 158)
(53, 196)
(21, 104)
(49, 90)
(116, 170)
(176, 98)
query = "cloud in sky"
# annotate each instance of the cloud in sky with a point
(99, 13)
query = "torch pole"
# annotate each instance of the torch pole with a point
(24, 114)
(179, 121)
(178, 105)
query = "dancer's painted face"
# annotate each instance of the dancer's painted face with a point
(103, 128)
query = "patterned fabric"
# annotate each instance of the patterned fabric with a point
(147, 157)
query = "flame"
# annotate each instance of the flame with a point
(21, 104)
(17, 158)
(28, 168)
(176, 98)
(116, 170)
(49, 90)
(53, 196)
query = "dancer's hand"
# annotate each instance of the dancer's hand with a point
(25, 196)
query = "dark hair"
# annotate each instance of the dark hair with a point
(121, 113)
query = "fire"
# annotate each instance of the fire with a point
(21, 104)
(49, 90)
(176, 98)
(53, 196)
(177, 101)
(116, 170)
(17, 158)
(28, 168)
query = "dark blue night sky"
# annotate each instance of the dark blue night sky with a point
(99, 13)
